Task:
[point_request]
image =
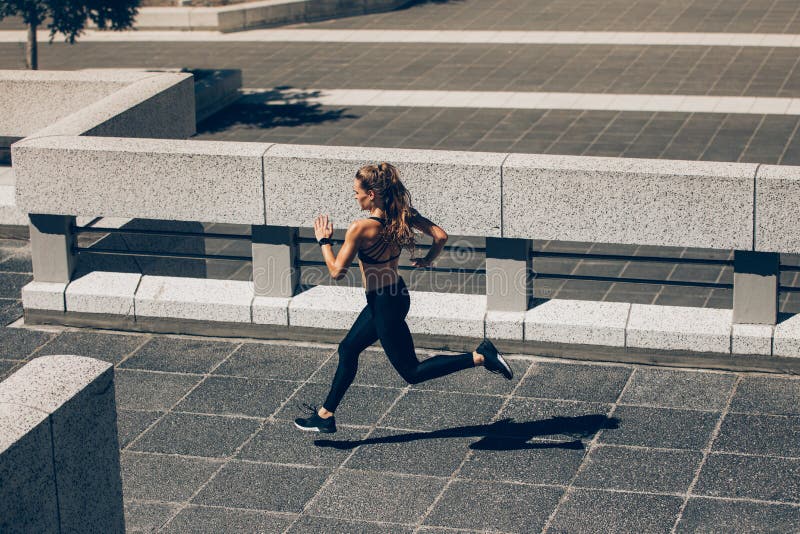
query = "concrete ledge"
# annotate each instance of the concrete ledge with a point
(679, 328)
(777, 226)
(271, 310)
(786, 341)
(752, 339)
(194, 298)
(44, 296)
(335, 307)
(504, 324)
(446, 314)
(103, 292)
(578, 322)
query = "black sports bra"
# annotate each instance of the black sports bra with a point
(374, 251)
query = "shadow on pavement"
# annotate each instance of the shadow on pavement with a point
(504, 434)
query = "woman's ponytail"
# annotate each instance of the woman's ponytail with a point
(384, 179)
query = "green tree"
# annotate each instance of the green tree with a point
(68, 17)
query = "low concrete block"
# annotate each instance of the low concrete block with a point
(578, 321)
(103, 292)
(504, 324)
(271, 310)
(175, 180)
(78, 393)
(442, 185)
(449, 314)
(44, 296)
(594, 199)
(163, 17)
(10, 214)
(194, 298)
(679, 328)
(752, 339)
(786, 340)
(777, 198)
(327, 307)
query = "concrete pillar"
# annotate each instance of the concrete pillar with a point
(52, 240)
(755, 287)
(274, 253)
(509, 284)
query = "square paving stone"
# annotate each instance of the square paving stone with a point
(132, 423)
(591, 511)
(197, 519)
(518, 461)
(225, 395)
(19, 343)
(147, 517)
(11, 284)
(374, 369)
(263, 486)
(714, 516)
(433, 410)
(362, 405)
(10, 311)
(163, 478)
(377, 496)
(179, 355)
(767, 395)
(307, 524)
(555, 419)
(197, 435)
(418, 453)
(142, 390)
(477, 380)
(679, 389)
(281, 442)
(639, 469)
(591, 383)
(773, 435)
(18, 263)
(494, 506)
(754, 477)
(661, 427)
(8, 367)
(107, 347)
(287, 362)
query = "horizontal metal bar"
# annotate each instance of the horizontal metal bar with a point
(789, 268)
(632, 280)
(619, 257)
(107, 251)
(789, 289)
(408, 268)
(171, 233)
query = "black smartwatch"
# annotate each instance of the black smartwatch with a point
(325, 241)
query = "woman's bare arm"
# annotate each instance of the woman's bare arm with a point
(338, 264)
(439, 236)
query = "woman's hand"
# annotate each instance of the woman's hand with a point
(322, 227)
(421, 263)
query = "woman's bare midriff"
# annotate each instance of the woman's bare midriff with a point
(377, 275)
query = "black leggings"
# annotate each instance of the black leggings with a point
(384, 318)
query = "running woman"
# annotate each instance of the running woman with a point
(378, 241)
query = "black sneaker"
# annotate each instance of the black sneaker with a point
(493, 360)
(315, 423)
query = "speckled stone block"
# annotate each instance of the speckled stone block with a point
(327, 307)
(628, 200)
(786, 339)
(43, 296)
(752, 339)
(194, 298)
(450, 314)
(271, 310)
(504, 324)
(176, 180)
(103, 292)
(777, 198)
(679, 328)
(28, 493)
(578, 321)
(443, 184)
(78, 393)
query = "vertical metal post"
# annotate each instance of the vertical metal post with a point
(274, 251)
(52, 241)
(755, 287)
(509, 286)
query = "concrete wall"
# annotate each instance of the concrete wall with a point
(59, 452)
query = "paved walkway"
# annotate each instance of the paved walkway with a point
(207, 443)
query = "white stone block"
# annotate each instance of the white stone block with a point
(777, 198)
(194, 298)
(460, 191)
(752, 339)
(578, 322)
(9, 212)
(327, 307)
(178, 180)
(679, 328)
(43, 296)
(504, 324)
(628, 200)
(271, 310)
(163, 17)
(786, 340)
(103, 292)
(451, 314)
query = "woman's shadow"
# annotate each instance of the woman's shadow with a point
(502, 435)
